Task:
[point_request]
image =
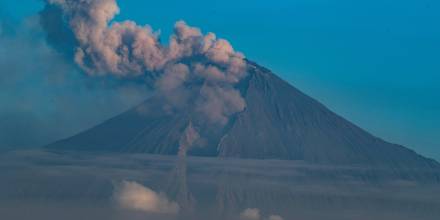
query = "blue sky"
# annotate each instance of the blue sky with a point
(377, 62)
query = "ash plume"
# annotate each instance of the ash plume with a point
(178, 185)
(127, 50)
(190, 135)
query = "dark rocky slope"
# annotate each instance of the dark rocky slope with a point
(279, 122)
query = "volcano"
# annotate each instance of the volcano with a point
(279, 122)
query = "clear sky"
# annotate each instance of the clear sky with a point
(377, 62)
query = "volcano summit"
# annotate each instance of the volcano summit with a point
(278, 122)
(208, 100)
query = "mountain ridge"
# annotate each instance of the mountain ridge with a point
(279, 122)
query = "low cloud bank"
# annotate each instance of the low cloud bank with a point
(275, 217)
(134, 196)
(255, 214)
(250, 214)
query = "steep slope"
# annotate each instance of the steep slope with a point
(279, 122)
(148, 128)
(282, 122)
(144, 129)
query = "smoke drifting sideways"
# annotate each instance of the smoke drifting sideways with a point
(127, 50)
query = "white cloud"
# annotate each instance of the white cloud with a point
(250, 214)
(255, 214)
(275, 217)
(134, 196)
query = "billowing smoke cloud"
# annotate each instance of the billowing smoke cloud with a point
(126, 49)
(178, 185)
(190, 135)
(218, 103)
(255, 214)
(134, 196)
